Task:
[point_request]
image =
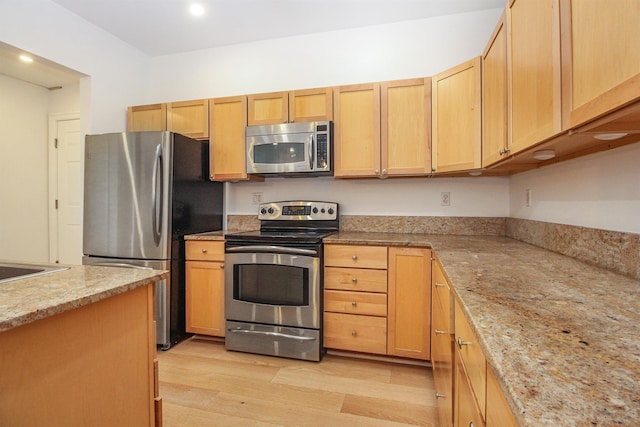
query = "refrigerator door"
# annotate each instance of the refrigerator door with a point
(126, 195)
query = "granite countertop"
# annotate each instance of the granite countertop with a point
(26, 300)
(208, 235)
(562, 336)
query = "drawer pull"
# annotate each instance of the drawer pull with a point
(463, 343)
(439, 285)
(354, 279)
(354, 334)
(204, 250)
(471, 424)
(354, 257)
(439, 332)
(354, 303)
(221, 266)
(439, 395)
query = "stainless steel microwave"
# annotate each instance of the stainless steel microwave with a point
(290, 149)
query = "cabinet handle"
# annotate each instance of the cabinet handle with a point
(204, 250)
(506, 150)
(439, 285)
(439, 332)
(501, 152)
(354, 334)
(439, 395)
(354, 279)
(354, 257)
(284, 121)
(470, 423)
(377, 171)
(463, 343)
(354, 304)
(384, 171)
(221, 266)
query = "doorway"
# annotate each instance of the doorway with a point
(65, 188)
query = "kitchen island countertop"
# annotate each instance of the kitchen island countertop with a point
(562, 336)
(23, 301)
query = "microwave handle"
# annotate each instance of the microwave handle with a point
(312, 151)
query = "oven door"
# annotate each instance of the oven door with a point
(273, 288)
(287, 153)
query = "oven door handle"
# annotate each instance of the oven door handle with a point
(270, 333)
(272, 248)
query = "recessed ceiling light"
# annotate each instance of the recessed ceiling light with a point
(26, 58)
(610, 136)
(196, 9)
(544, 154)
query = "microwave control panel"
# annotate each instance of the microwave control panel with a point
(323, 140)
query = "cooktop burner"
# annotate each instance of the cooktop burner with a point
(310, 236)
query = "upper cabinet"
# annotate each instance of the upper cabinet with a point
(456, 118)
(227, 147)
(382, 129)
(534, 72)
(494, 96)
(288, 107)
(190, 118)
(601, 57)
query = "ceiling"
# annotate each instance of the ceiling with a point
(162, 27)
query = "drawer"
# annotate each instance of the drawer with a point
(355, 303)
(355, 256)
(355, 279)
(471, 355)
(367, 334)
(441, 293)
(204, 250)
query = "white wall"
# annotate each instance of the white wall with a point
(601, 190)
(23, 171)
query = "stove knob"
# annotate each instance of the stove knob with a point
(330, 211)
(263, 211)
(315, 210)
(322, 210)
(271, 211)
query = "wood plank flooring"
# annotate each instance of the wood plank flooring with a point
(202, 384)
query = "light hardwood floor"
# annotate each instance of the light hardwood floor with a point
(202, 384)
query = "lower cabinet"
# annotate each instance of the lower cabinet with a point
(467, 413)
(377, 299)
(442, 344)
(204, 304)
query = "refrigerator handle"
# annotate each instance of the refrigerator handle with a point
(158, 179)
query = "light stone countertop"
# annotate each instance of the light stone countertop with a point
(562, 336)
(26, 300)
(208, 235)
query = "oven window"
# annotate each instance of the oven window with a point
(271, 284)
(279, 153)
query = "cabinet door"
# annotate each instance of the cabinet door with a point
(147, 117)
(601, 59)
(227, 149)
(409, 303)
(534, 67)
(494, 97)
(204, 302)
(442, 363)
(268, 108)
(311, 105)
(190, 118)
(406, 120)
(457, 118)
(467, 413)
(357, 131)
(498, 412)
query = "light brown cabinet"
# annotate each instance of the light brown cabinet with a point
(495, 144)
(534, 72)
(456, 118)
(287, 107)
(382, 129)
(227, 145)
(204, 303)
(498, 412)
(600, 57)
(442, 344)
(409, 303)
(190, 118)
(355, 298)
(466, 410)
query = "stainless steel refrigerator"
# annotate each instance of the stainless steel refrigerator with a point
(143, 192)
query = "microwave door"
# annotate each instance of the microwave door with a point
(280, 153)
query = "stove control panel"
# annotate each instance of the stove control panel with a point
(298, 210)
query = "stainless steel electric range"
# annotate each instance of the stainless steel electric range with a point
(274, 280)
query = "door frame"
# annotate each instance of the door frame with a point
(54, 119)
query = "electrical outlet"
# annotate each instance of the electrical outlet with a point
(445, 198)
(528, 197)
(256, 198)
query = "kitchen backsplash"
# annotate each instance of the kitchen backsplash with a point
(612, 250)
